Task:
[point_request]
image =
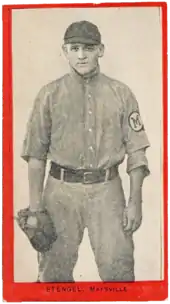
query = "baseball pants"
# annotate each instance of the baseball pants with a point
(99, 207)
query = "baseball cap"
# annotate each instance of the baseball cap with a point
(82, 32)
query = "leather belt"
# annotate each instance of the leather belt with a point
(83, 176)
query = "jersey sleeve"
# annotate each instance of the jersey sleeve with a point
(135, 139)
(38, 131)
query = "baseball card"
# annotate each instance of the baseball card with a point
(85, 152)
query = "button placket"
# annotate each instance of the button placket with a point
(90, 129)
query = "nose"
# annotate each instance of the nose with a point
(81, 53)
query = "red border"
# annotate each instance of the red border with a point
(13, 292)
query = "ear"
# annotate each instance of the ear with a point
(101, 50)
(65, 50)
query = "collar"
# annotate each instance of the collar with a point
(85, 78)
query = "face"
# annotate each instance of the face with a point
(83, 57)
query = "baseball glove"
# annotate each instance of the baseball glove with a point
(41, 232)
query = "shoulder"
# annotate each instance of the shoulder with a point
(47, 91)
(122, 89)
(52, 86)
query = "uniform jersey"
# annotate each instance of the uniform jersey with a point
(86, 123)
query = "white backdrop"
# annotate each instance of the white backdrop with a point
(132, 37)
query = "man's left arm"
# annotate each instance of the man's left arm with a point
(133, 212)
(136, 143)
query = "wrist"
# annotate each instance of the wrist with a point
(135, 198)
(35, 207)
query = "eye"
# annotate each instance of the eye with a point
(89, 48)
(74, 48)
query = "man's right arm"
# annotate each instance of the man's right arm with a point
(35, 147)
(36, 175)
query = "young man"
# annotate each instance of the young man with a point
(85, 123)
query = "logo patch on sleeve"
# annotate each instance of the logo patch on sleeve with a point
(135, 121)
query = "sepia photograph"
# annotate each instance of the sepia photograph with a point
(88, 145)
(85, 119)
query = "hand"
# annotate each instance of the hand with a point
(36, 207)
(32, 221)
(132, 218)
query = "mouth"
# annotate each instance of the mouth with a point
(82, 63)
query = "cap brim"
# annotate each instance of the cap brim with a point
(82, 40)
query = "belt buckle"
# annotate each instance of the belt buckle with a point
(85, 175)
